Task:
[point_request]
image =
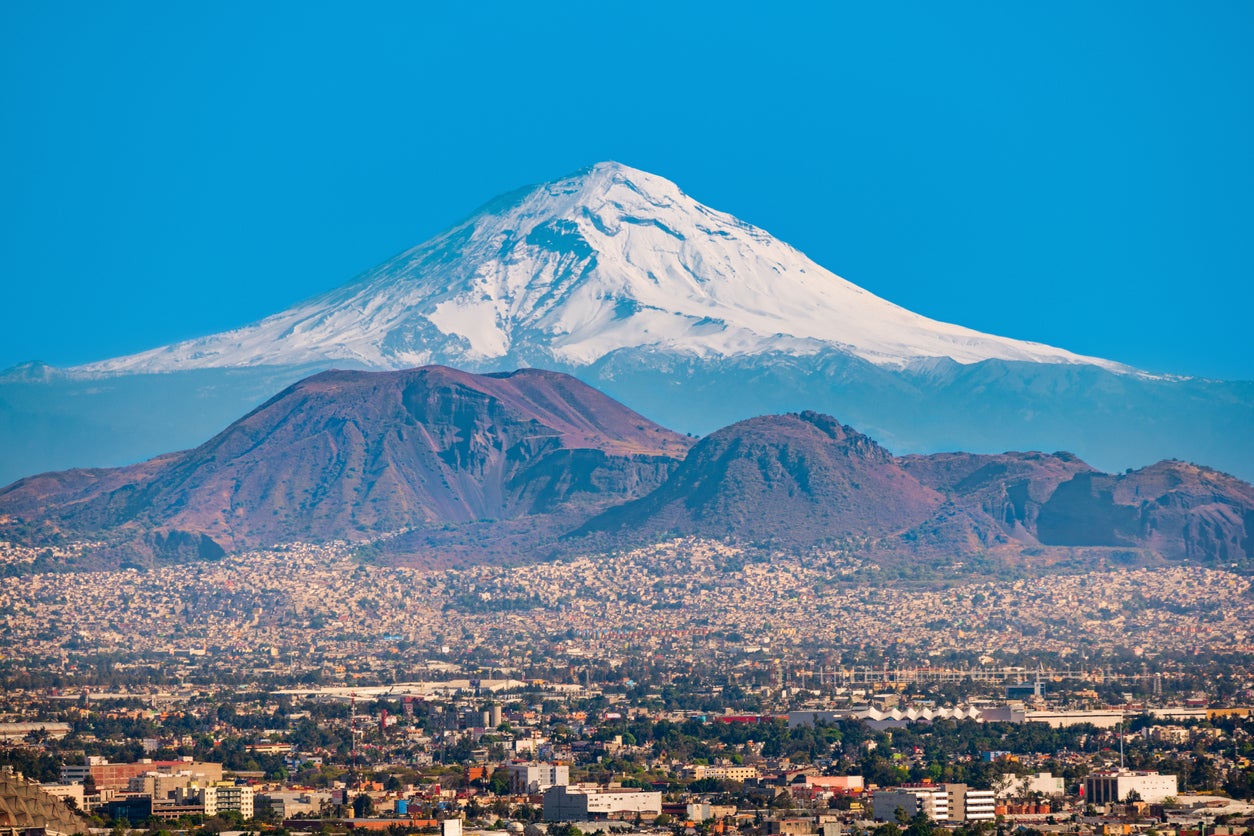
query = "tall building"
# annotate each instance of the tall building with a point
(966, 804)
(527, 778)
(1115, 785)
(222, 796)
(929, 799)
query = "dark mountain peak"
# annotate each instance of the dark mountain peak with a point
(350, 454)
(560, 405)
(807, 426)
(794, 478)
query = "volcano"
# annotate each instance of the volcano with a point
(686, 314)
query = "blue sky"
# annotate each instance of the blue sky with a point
(1074, 173)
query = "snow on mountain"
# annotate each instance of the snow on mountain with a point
(565, 273)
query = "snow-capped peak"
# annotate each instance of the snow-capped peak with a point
(565, 273)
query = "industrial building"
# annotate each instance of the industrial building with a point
(581, 803)
(1114, 786)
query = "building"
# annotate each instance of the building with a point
(291, 803)
(63, 791)
(1023, 786)
(580, 803)
(978, 805)
(931, 800)
(44, 731)
(1016, 713)
(221, 796)
(884, 718)
(134, 809)
(705, 811)
(836, 783)
(966, 804)
(1025, 690)
(162, 786)
(76, 773)
(1114, 786)
(719, 772)
(790, 827)
(117, 776)
(526, 778)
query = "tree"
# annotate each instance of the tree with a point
(498, 783)
(363, 805)
(920, 825)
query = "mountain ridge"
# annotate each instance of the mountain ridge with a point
(352, 455)
(452, 467)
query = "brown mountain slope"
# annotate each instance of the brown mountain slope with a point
(787, 479)
(805, 480)
(499, 467)
(1179, 510)
(346, 455)
(992, 499)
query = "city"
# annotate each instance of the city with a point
(689, 686)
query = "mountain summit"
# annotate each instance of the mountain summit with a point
(563, 274)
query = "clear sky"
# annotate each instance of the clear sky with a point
(1080, 174)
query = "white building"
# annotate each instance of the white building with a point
(1023, 786)
(1114, 786)
(966, 804)
(566, 803)
(220, 797)
(881, 719)
(931, 800)
(76, 773)
(74, 791)
(527, 778)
